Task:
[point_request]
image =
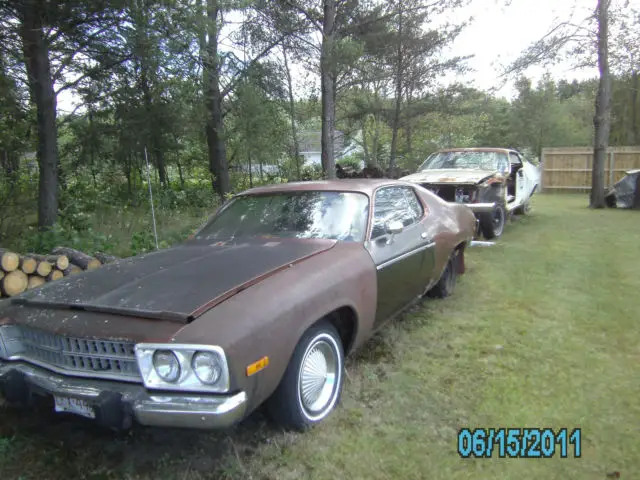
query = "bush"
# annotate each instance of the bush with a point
(353, 161)
(142, 242)
(312, 172)
(88, 240)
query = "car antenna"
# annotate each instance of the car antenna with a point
(153, 213)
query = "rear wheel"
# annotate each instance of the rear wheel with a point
(312, 383)
(447, 283)
(492, 223)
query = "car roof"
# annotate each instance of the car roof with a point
(358, 185)
(480, 149)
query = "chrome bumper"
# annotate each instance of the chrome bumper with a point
(481, 207)
(118, 402)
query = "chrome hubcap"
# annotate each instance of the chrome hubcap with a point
(317, 382)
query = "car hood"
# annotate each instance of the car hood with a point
(176, 284)
(449, 176)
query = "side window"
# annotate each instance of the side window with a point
(392, 203)
(514, 159)
(414, 203)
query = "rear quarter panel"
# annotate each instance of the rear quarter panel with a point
(268, 318)
(448, 224)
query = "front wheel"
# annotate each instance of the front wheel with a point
(312, 383)
(492, 223)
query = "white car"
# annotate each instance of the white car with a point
(493, 182)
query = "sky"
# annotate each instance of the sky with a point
(499, 32)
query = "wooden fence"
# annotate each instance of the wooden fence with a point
(569, 169)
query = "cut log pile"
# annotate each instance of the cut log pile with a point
(24, 272)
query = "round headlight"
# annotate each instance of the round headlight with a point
(167, 365)
(207, 367)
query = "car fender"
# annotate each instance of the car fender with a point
(455, 224)
(268, 318)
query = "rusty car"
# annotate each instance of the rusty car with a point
(493, 182)
(258, 306)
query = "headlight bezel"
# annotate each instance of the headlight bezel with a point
(187, 381)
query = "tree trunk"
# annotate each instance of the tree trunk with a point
(634, 107)
(292, 113)
(180, 173)
(36, 55)
(213, 101)
(602, 118)
(92, 160)
(365, 148)
(327, 86)
(398, 94)
(636, 196)
(162, 167)
(153, 146)
(376, 141)
(128, 173)
(408, 129)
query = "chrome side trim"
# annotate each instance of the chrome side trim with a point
(405, 255)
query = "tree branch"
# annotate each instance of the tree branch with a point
(90, 73)
(253, 61)
(306, 14)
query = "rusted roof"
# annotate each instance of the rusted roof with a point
(359, 185)
(478, 149)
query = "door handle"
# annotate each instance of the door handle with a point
(427, 239)
(424, 236)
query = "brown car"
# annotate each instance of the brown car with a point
(261, 304)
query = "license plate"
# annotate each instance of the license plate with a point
(74, 405)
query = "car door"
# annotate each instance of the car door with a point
(399, 257)
(532, 176)
(429, 254)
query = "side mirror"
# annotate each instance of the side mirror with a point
(394, 226)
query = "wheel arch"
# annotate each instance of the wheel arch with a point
(459, 252)
(345, 320)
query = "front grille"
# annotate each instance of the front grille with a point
(448, 192)
(80, 356)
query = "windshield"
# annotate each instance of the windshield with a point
(331, 215)
(494, 161)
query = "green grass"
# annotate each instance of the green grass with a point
(542, 331)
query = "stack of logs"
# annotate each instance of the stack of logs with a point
(23, 272)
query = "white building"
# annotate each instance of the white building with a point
(310, 146)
